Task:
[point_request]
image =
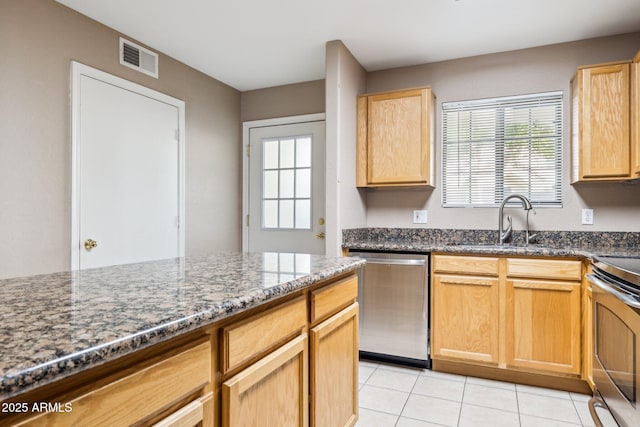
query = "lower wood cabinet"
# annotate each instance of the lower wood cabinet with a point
(310, 379)
(543, 325)
(138, 397)
(520, 314)
(334, 370)
(272, 391)
(466, 314)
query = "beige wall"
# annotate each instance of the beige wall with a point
(345, 205)
(38, 39)
(283, 101)
(549, 68)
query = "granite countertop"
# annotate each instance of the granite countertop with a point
(547, 243)
(55, 325)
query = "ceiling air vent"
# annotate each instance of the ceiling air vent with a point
(138, 58)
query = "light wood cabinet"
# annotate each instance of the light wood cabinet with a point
(143, 394)
(543, 325)
(601, 142)
(305, 380)
(587, 332)
(396, 133)
(519, 314)
(245, 339)
(334, 370)
(272, 392)
(465, 318)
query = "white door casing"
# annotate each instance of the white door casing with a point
(127, 171)
(284, 185)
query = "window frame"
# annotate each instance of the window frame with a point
(500, 104)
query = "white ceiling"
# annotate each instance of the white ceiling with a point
(251, 44)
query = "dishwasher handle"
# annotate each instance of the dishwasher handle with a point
(386, 261)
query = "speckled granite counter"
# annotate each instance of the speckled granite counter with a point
(55, 325)
(547, 243)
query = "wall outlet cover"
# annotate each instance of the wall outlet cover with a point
(587, 216)
(419, 217)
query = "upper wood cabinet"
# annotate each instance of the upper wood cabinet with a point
(601, 142)
(395, 138)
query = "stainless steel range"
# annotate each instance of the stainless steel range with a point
(616, 339)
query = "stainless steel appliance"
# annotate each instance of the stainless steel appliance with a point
(616, 339)
(394, 308)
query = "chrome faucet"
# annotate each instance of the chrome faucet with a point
(504, 235)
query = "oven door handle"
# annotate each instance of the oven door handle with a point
(608, 288)
(593, 403)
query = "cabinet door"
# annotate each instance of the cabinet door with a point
(465, 318)
(398, 149)
(198, 413)
(334, 370)
(543, 325)
(587, 333)
(604, 119)
(271, 392)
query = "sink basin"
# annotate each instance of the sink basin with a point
(495, 245)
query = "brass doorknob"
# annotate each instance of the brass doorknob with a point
(90, 244)
(320, 235)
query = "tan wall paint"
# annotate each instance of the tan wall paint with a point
(38, 39)
(283, 101)
(548, 68)
(345, 204)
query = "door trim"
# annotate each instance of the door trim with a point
(77, 71)
(246, 128)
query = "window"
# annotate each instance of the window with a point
(496, 147)
(286, 183)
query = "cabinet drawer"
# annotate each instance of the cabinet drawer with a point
(251, 337)
(133, 398)
(544, 268)
(332, 298)
(487, 266)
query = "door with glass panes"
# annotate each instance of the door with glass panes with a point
(286, 188)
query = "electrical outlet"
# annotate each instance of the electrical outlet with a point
(587, 216)
(419, 217)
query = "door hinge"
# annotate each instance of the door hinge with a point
(248, 150)
(177, 221)
(177, 135)
(247, 220)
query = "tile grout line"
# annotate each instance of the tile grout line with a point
(464, 390)
(407, 401)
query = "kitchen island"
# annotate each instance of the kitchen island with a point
(70, 334)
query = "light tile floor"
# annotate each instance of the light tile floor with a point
(394, 396)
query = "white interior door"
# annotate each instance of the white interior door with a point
(128, 175)
(286, 188)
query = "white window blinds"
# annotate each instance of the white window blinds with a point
(500, 146)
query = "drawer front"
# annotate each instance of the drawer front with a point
(140, 395)
(544, 268)
(259, 333)
(487, 266)
(332, 298)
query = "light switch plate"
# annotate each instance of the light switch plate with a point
(419, 217)
(587, 216)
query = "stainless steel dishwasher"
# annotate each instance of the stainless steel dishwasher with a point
(393, 295)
